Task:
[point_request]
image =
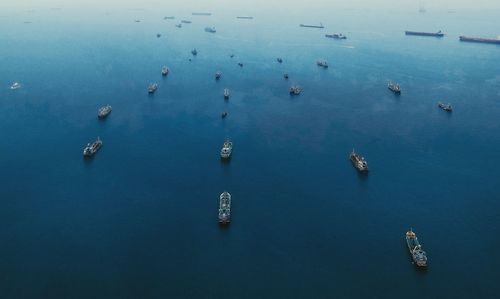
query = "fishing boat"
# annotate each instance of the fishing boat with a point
(15, 85)
(418, 255)
(226, 93)
(218, 75)
(336, 36)
(152, 87)
(164, 71)
(394, 88)
(210, 29)
(279, 60)
(225, 208)
(322, 63)
(295, 90)
(194, 52)
(224, 114)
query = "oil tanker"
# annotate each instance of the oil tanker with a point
(437, 34)
(480, 40)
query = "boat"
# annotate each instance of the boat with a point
(437, 34)
(152, 87)
(295, 90)
(194, 52)
(226, 93)
(336, 36)
(169, 18)
(232, 55)
(201, 14)
(227, 149)
(158, 35)
(178, 25)
(225, 208)
(186, 21)
(240, 64)
(394, 88)
(164, 71)
(104, 111)
(480, 40)
(312, 26)
(15, 85)
(244, 17)
(210, 29)
(218, 75)
(322, 63)
(445, 107)
(358, 162)
(224, 114)
(279, 60)
(285, 76)
(91, 149)
(137, 21)
(417, 253)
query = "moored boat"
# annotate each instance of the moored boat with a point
(394, 88)
(164, 71)
(225, 208)
(178, 25)
(417, 253)
(91, 149)
(210, 29)
(104, 111)
(218, 75)
(358, 162)
(224, 114)
(15, 85)
(336, 36)
(152, 87)
(445, 107)
(194, 52)
(227, 149)
(295, 90)
(322, 63)
(279, 60)
(226, 93)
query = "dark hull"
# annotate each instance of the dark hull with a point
(311, 26)
(480, 40)
(437, 34)
(201, 14)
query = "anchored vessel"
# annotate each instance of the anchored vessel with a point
(437, 34)
(445, 107)
(210, 29)
(152, 87)
(226, 93)
(418, 255)
(243, 17)
(279, 60)
(224, 114)
(186, 21)
(164, 71)
(336, 36)
(227, 149)
(285, 76)
(91, 149)
(240, 64)
(158, 35)
(394, 88)
(169, 18)
(104, 111)
(201, 14)
(194, 52)
(15, 85)
(313, 26)
(178, 25)
(358, 162)
(225, 208)
(218, 75)
(322, 63)
(295, 90)
(480, 40)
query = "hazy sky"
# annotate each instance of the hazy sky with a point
(253, 4)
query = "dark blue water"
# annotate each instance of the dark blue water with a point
(139, 220)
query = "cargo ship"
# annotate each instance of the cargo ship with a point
(225, 208)
(480, 40)
(417, 253)
(437, 34)
(312, 26)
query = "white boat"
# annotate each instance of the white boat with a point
(225, 208)
(15, 85)
(104, 111)
(226, 93)
(227, 149)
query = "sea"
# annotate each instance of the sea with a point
(139, 219)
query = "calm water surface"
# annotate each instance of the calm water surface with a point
(139, 220)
